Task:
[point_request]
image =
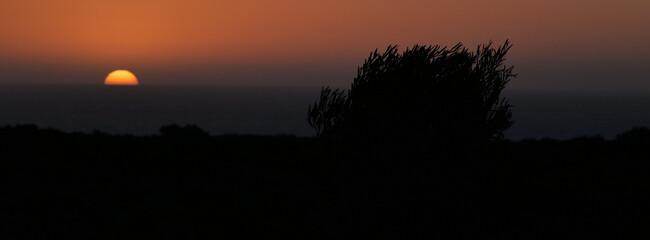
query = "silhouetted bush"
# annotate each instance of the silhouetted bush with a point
(427, 94)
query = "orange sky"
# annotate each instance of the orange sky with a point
(169, 39)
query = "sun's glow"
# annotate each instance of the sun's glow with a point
(121, 77)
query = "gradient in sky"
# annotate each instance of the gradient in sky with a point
(579, 44)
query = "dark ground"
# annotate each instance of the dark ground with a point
(184, 183)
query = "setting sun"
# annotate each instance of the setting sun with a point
(121, 77)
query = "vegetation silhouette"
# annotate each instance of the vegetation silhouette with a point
(187, 132)
(411, 122)
(425, 97)
(237, 186)
(391, 160)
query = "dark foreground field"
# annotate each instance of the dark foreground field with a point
(183, 183)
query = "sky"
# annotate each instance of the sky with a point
(558, 44)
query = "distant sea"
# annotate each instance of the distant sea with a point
(142, 110)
